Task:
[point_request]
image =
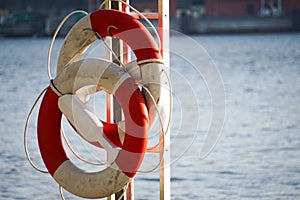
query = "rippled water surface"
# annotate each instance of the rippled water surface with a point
(256, 157)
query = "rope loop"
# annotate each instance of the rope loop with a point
(54, 37)
(25, 135)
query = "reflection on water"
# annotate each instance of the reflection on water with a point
(257, 156)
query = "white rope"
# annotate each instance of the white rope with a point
(61, 192)
(141, 15)
(76, 154)
(54, 37)
(25, 134)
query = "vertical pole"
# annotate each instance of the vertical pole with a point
(165, 172)
(115, 108)
(117, 47)
(109, 97)
(129, 195)
(109, 104)
(126, 58)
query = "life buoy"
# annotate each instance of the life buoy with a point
(148, 67)
(112, 79)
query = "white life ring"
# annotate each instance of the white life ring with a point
(112, 79)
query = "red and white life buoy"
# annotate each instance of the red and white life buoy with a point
(111, 78)
(148, 67)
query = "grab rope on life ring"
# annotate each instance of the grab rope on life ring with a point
(111, 78)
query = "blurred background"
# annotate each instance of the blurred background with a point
(40, 18)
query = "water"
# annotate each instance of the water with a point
(256, 157)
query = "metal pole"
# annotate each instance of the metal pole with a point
(125, 59)
(165, 172)
(115, 108)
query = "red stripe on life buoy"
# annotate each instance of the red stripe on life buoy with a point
(126, 27)
(111, 133)
(136, 119)
(48, 128)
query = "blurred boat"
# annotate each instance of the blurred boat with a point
(21, 24)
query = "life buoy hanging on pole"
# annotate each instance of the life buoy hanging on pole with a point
(127, 28)
(111, 78)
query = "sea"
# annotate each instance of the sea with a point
(235, 124)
